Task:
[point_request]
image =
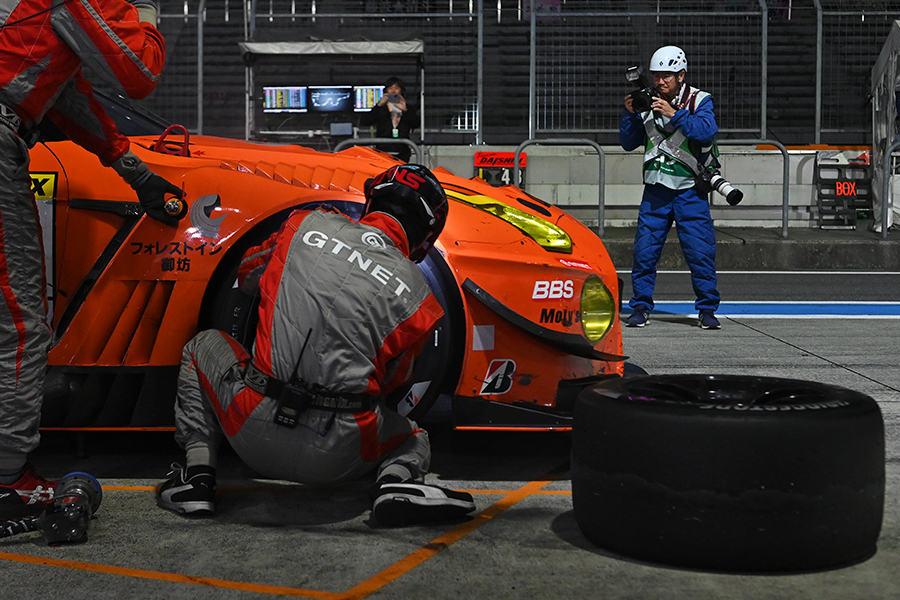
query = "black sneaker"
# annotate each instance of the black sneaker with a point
(411, 503)
(188, 490)
(708, 320)
(638, 318)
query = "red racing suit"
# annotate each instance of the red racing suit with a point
(43, 45)
(341, 306)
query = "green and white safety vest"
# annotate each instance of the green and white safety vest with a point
(670, 158)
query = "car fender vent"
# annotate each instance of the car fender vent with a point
(123, 331)
(304, 176)
(135, 325)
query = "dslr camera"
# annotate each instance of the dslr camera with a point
(641, 99)
(710, 179)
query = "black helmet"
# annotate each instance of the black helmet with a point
(412, 195)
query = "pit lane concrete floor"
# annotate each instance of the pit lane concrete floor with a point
(273, 539)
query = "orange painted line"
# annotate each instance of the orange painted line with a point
(491, 428)
(150, 488)
(815, 147)
(170, 577)
(443, 542)
(107, 429)
(362, 590)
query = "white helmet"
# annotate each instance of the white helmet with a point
(668, 58)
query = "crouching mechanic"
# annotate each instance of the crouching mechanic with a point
(343, 313)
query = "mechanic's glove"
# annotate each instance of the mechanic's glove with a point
(147, 10)
(151, 190)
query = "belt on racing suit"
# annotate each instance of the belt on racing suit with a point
(317, 398)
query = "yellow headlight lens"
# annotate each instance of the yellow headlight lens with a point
(549, 236)
(598, 309)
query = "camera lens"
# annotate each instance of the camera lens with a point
(732, 195)
(641, 101)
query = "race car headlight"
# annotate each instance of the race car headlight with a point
(549, 236)
(598, 309)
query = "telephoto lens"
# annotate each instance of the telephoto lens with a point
(732, 195)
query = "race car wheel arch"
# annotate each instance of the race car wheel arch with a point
(733, 473)
(438, 366)
(224, 306)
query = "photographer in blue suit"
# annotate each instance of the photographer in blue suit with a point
(677, 128)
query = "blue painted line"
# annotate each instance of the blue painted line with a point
(787, 309)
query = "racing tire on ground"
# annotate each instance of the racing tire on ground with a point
(729, 473)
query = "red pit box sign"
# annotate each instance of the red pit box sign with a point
(845, 188)
(496, 168)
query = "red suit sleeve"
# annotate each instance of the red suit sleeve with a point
(130, 54)
(81, 117)
(395, 359)
(107, 35)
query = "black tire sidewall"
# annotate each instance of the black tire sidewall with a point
(712, 485)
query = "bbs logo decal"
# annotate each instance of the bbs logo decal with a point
(371, 238)
(499, 378)
(547, 290)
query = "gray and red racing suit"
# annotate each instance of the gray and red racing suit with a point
(43, 46)
(341, 307)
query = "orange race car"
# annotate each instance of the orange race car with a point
(530, 295)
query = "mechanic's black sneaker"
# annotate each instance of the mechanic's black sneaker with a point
(29, 495)
(411, 503)
(708, 320)
(188, 490)
(638, 318)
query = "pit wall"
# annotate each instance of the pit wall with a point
(568, 177)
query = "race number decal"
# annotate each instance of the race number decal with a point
(499, 378)
(496, 168)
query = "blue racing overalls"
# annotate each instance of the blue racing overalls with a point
(672, 150)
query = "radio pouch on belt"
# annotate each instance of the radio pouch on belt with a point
(291, 403)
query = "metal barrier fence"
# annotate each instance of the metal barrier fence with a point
(601, 182)
(420, 156)
(849, 37)
(579, 61)
(574, 55)
(449, 31)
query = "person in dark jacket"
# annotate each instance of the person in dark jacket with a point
(393, 117)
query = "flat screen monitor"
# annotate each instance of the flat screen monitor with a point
(284, 99)
(334, 98)
(367, 96)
